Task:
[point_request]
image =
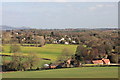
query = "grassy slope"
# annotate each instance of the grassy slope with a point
(48, 51)
(83, 72)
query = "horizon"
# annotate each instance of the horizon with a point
(1, 26)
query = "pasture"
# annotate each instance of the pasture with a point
(81, 72)
(50, 51)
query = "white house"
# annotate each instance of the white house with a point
(69, 38)
(73, 42)
(55, 42)
(66, 43)
(62, 39)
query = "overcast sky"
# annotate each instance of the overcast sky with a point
(60, 14)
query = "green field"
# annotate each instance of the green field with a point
(81, 72)
(50, 51)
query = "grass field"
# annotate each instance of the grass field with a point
(50, 51)
(81, 72)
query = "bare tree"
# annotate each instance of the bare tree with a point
(66, 54)
(32, 60)
(40, 41)
(15, 48)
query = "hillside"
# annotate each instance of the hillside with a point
(5, 27)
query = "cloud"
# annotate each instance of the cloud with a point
(100, 6)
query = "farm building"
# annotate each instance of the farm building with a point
(97, 62)
(101, 61)
(106, 61)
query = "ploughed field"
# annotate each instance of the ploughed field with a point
(81, 72)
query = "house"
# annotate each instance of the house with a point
(46, 65)
(49, 66)
(106, 61)
(97, 62)
(16, 33)
(101, 61)
(73, 42)
(69, 38)
(62, 39)
(66, 43)
(68, 61)
(52, 66)
(55, 42)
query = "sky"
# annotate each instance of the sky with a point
(60, 0)
(59, 15)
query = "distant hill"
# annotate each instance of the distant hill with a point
(4, 27)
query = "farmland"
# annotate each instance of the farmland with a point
(81, 72)
(50, 51)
